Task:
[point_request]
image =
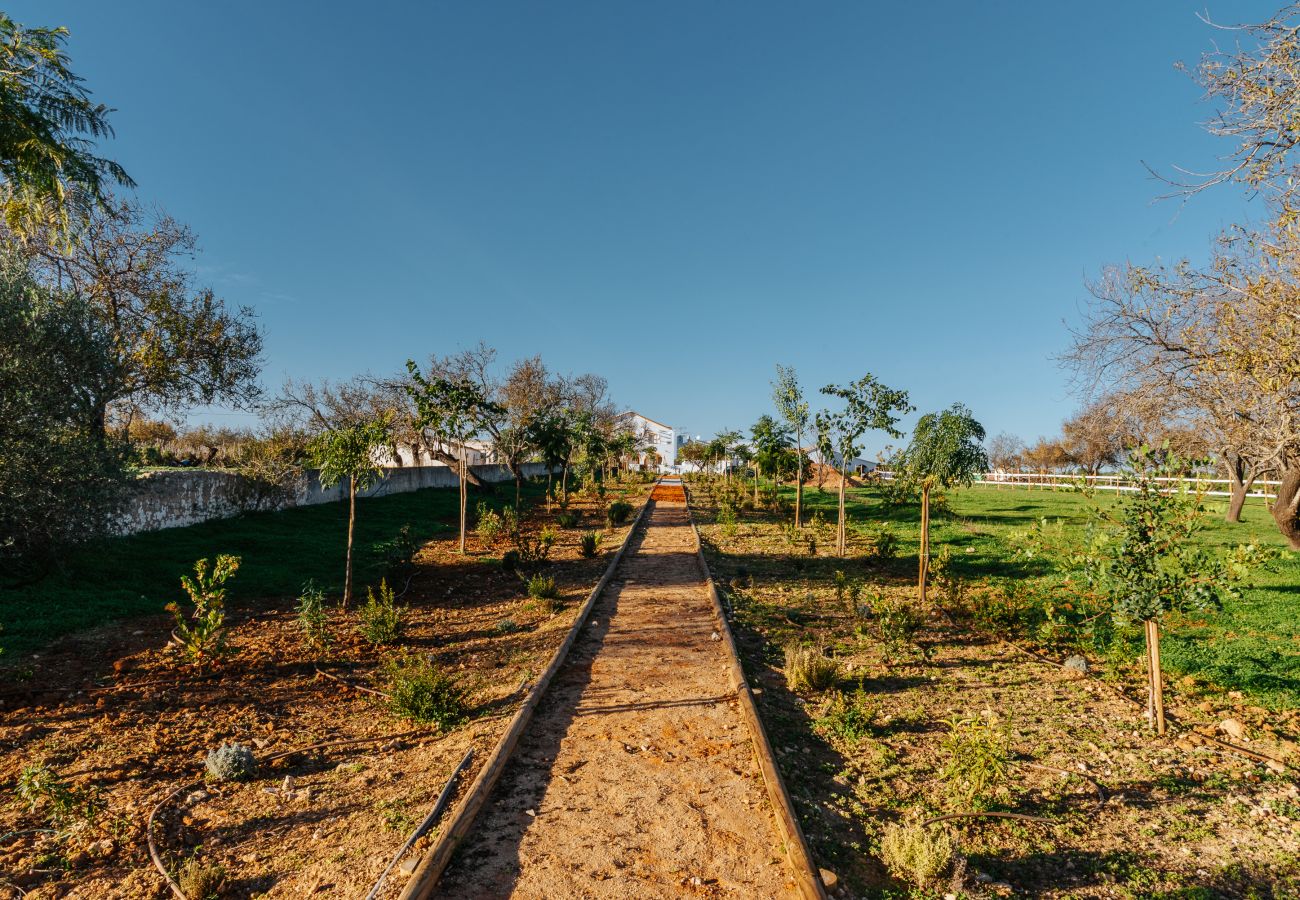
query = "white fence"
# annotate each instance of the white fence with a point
(1209, 487)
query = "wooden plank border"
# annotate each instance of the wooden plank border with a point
(425, 877)
(807, 876)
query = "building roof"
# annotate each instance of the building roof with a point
(633, 412)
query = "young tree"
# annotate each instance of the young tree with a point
(771, 444)
(553, 436)
(946, 450)
(726, 442)
(793, 410)
(49, 174)
(868, 406)
(348, 451)
(453, 412)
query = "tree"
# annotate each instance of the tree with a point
(1006, 452)
(50, 175)
(793, 410)
(726, 442)
(59, 479)
(1097, 435)
(868, 406)
(553, 436)
(174, 344)
(771, 444)
(454, 411)
(1046, 455)
(946, 451)
(348, 451)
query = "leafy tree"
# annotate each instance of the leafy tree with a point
(174, 344)
(454, 411)
(946, 451)
(695, 453)
(59, 479)
(50, 173)
(1153, 565)
(348, 451)
(771, 446)
(553, 436)
(868, 406)
(793, 410)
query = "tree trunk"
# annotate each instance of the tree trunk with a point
(519, 487)
(1156, 691)
(841, 534)
(352, 521)
(798, 493)
(755, 484)
(564, 485)
(454, 461)
(464, 498)
(1286, 508)
(1240, 482)
(924, 563)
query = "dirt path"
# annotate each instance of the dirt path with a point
(637, 777)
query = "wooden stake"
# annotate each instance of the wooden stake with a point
(1153, 669)
(924, 575)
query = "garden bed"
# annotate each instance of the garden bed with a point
(119, 721)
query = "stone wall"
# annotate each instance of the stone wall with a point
(180, 497)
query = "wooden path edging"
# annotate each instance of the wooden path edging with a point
(425, 877)
(807, 876)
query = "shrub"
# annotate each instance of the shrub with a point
(809, 669)
(589, 544)
(510, 561)
(381, 617)
(202, 635)
(618, 512)
(313, 618)
(506, 626)
(567, 519)
(882, 543)
(916, 854)
(542, 587)
(65, 806)
(510, 520)
(201, 881)
(896, 619)
(726, 520)
(230, 762)
(489, 524)
(943, 576)
(847, 717)
(419, 691)
(532, 552)
(978, 758)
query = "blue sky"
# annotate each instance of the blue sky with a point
(676, 195)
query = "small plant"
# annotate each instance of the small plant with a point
(510, 520)
(491, 527)
(809, 669)
(313, 619)
(230, 762)
(897, 621)
(943, 576)
(618, 512)
(589, 544)
(202, 634)
(381, 617)
(65, 806)
(510, 562)
(199, 880)
(506, 626)
(399, 551)
(567, 519)
(848, 717)
(543, 587)
(916, 854)
(726, 520)
(882, 543)
(419, 691)
(530, 552)
(842, 589)
(978, 759)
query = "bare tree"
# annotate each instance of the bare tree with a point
(1006, 451)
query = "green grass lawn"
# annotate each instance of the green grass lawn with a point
(1251, 645)
(138, 575)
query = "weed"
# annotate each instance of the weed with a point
(532, 552)
(944, 578)
(65, 806)
(199, 880)
(567, 519)
(882, 543)
(726, 520)
(617, 513)
(841, 587)
(396, 816)
(809, 669)
(419, 691)
(848, 717)
(202, 634)
(978, 759)
(381, 617)
(916, 854)
(589, 544)
(313, 619)
(230, 762)
(544, 590)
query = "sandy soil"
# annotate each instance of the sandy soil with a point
(637, 777)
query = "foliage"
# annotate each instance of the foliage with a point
(809, 668)
(882, 543)
(916, 854)
(200, 880)
(567, 519)
(60, 475)
(979, 754)
(421, 692)
(202, 635)
(49, 171)
(531, 552)
(348, 452)
(313, 619)
(489, 524)
(543, 587)
(945, 450)
(399, 551)
(618, 513)
(230, 762)
(791, 406)
(380, 616)
(65, 806)
(897, 620)
(589, 544)
(847, 717)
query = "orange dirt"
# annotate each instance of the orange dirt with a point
(669, 493)
(637, 777)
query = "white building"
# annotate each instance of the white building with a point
(662, 438)
(474, 452)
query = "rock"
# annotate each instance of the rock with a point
(78, 859)
(1234, 729)
(102, 848)
(715, 637)
(1205, 706)
(1275, 766)
(1077, 664)
(829, 878)
(408, 866)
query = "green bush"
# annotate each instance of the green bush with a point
(489, 524)
(313, 619)
(897, 620)
(399, 551)
(201, 881)
(882, 543)
(618, 512)
(978, 759)
(589, 544)
(847, 717)
(419, 691)
(381, 617)
(543, 587)
(809, 669)
(202, 634)
(64, 806)
(567, 519)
